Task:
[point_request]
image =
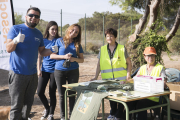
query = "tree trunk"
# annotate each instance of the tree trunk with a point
(141, 23)
(175, 27)
(153, 14)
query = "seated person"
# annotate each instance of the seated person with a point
(150, 69)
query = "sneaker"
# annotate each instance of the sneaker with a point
(45, 114)
(50, 117)
(29, 118)
(115, 118)
(110, 117)
(62, 119)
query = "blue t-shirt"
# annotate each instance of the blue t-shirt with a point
(62, 51)
(48, 64)
(23, 60)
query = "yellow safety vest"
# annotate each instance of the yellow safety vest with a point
(114, 68)
(154, 73)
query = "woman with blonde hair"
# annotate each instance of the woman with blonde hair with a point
(67, 68)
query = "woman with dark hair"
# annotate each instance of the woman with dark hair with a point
(46, 72)
(67, 67)
(114, 63)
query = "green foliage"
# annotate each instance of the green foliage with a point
(42, 26)
(91, 48)
(174, 44)
(167, 9)
(129, 4)
(111, 20)
(64, 28)
(166, 5)
(18, 19)
(151, 39)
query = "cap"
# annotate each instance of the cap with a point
(149, 51)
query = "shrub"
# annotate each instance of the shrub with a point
(152, 39)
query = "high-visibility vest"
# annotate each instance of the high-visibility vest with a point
(114, 68)
(154, 73)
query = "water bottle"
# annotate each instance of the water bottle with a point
(156, 118)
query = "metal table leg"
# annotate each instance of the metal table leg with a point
(103, 109)
(65, 100)
(135, 111)
(168, 107)
(124, 103)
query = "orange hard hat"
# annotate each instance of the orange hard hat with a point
(149, 51)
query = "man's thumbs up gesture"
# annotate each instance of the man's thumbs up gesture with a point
(19, 38)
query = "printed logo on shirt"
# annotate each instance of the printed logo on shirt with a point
(119, 59)
(37, 39)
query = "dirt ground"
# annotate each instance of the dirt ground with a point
(87, 71)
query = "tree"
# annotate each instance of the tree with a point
(64, 28)
(41, 26)
(18, 19)
(111, 20)
(151, 9)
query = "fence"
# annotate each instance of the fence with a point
(92, 26)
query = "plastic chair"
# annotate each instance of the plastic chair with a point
(134, 74)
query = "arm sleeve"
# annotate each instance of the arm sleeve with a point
(42, 41)
(12, 33)
(80, 49)
(59, 42)
(99, 54)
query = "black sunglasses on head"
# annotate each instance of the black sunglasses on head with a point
(32, 15)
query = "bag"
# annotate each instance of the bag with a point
(67, 63)
(173, 75)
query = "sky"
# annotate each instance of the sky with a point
(72, 10)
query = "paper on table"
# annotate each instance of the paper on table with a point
(99, 81)
(85, 83)
(115, 93)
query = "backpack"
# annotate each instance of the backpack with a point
(172, 74)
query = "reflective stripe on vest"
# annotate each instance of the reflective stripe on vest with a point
(115, 68)
(110, 70)
(154, 73)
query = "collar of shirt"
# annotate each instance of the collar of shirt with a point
(109, 51)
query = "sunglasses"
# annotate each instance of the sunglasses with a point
(32, 15)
